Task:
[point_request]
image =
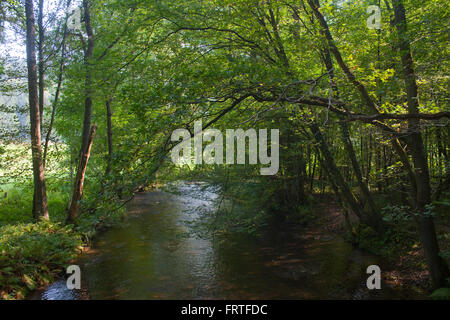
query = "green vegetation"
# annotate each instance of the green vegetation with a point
(362, 114)
(33, 254)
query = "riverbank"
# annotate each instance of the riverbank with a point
(34, 255)
(400, 256)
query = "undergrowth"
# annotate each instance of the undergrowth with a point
(33, 255)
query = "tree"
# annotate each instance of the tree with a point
(88, 132)
(439, 270)
(40, 209)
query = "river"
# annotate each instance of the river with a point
(153, 255)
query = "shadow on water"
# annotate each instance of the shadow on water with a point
(153, 256)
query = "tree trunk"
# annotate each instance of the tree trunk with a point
(378, 160)
(385, 168)
(41, 61)
(52, 119)
(88, 132)
(40, 209)
(369, 160)
(79, 180)
(438, 268)
(373, 215)
(311, 185)
(334, 171)
(109, 134)
(443, 163)
(88, 77)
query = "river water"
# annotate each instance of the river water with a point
(154, 256)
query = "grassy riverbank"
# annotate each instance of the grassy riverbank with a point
(32, 255)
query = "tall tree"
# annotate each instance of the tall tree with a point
(88, 133)
(40, 209)
(438, 268)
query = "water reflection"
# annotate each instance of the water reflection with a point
(153, 256)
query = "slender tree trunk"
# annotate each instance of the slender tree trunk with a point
(71, 165)
(311, 186)
(88, 77)
(438, 268)
(374, 215)
(385, 168)
(442, 163)
(319, 181)
(41, 73)
(79, 180)
(334, 171)
(40, 209)
(52, 119)
(109, 133)
(88, 132)
(369, 160)
(41, 60)
(378, 160)
(301, 177)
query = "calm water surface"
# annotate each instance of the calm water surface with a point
(154, 256)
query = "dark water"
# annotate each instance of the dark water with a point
(153, 256)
